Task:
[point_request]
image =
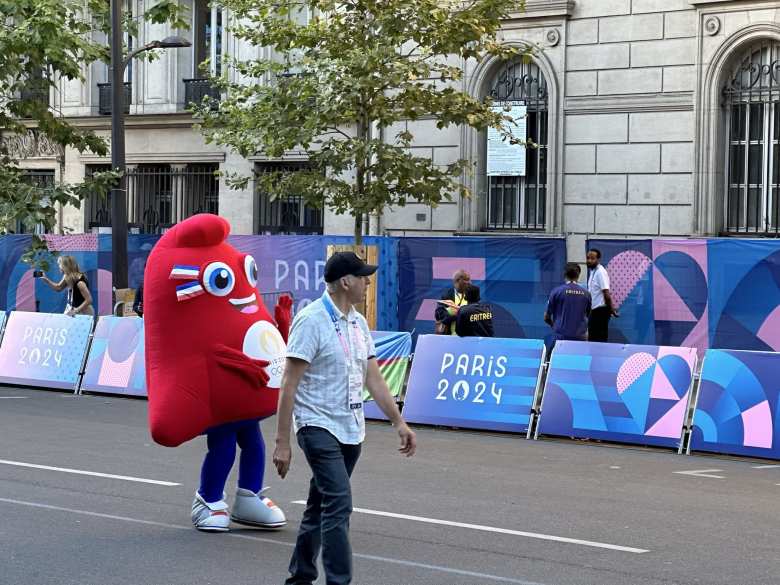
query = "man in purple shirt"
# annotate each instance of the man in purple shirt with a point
(568, 308)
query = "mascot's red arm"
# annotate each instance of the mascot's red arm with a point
(283, 316)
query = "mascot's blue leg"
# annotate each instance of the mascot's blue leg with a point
(252, 462)
(209, 508)
(251, 507)
(219, 460)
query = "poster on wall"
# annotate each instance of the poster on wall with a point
(738, 404)
(44, 349)
(474, 382)
(623, 393)
(116, 358)
(504, 158)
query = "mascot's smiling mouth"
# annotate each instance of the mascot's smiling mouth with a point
(247, 304)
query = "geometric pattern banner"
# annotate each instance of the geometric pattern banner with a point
(515, 275)
(44, 349)
(393, 352)
(622, 393)
(116, 358)
(721, 293)
(737, 409)
(474, 382)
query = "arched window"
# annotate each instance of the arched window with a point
(521, 202)
(752, 102)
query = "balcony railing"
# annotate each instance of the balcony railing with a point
(104, 94)
(197, 89)
(37, 93)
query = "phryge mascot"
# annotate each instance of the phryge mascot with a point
(214, 362)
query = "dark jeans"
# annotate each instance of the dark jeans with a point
(325, 522)
(598, 325)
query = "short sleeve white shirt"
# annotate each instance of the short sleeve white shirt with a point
(598, 282)
(322, 399)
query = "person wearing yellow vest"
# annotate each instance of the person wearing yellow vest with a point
(451, 300)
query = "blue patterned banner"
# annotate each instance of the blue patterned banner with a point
(622, 393)
(473, 382)
(738, 404)
(116, 357)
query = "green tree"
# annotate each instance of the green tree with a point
(335, 82)
(41, 42)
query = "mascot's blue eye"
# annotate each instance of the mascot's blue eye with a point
(218, 279)
(250, 267)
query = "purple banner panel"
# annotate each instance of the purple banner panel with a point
(738, 408)
(116, 359)
(474, 382)
(43, 349)
(623, 393)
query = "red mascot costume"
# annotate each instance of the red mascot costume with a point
(214, 362)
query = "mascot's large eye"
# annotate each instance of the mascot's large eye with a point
(250, 267)
(218, 279)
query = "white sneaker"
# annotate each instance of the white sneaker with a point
(213, 517)
(256, 510)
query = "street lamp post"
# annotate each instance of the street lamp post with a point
(119, 192)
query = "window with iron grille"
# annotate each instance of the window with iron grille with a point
(520, 202)
(97, 210)
(752, 101)
(42, 179)
(159, 195)
(285, 215)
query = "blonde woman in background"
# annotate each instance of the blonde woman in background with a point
(79, 297)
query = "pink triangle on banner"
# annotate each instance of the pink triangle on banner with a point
(668, 304)
(769, 332)
(662, 388)
(757, 425)
(670, 425)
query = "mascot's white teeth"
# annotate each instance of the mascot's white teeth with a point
(247, 304)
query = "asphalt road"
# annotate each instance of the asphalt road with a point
(470, 508)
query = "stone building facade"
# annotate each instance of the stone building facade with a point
(653, 118)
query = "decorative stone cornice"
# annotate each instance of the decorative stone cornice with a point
(31, 144)
(545, 8)
(678, 102)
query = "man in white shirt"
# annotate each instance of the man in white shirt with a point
(601, 301)
(330, 359)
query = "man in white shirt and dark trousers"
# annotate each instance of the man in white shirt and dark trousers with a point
(330, 359)
(601, 301)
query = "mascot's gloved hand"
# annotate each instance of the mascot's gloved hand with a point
(213, 352)
(283, 315)
(253, 370)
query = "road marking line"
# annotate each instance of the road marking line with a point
(481, 576)
(90, 473)
(497, 530)
(702, 473)
(13, 397)
(765, 466)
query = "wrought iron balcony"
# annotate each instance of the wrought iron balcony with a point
(197, 89)
(37, 92)
(104, 105)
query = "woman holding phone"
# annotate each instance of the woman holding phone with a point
(79, 297)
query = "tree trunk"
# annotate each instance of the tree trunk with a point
(358, 229)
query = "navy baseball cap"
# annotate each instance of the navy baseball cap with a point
(343, 264)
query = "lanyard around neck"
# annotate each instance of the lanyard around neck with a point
(331, 309)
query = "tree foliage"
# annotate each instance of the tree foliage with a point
(339, 86)
(42, 42)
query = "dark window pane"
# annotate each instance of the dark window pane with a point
(738, 113)
(543, 166)
(737, 165)
(543, 128)
(530, 165)
(776, 164)
(774, 215)
(734, 210)
(754, 208)
(756, 121)
(542, 207)
(755, 164)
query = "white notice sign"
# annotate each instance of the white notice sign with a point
(505, 159)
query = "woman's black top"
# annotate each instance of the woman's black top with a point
(75, 297)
